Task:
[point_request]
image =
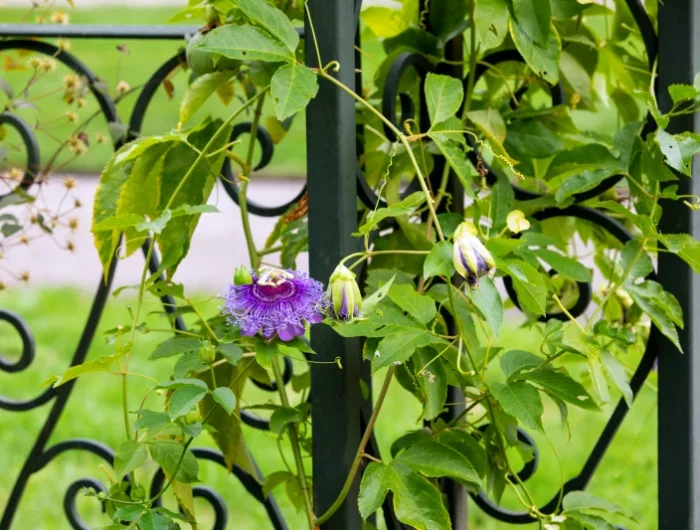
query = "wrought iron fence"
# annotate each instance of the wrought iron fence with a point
(334, 181)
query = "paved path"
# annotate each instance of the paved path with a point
(217, 248)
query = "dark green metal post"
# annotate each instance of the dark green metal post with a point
(679, 375)
(332, 163)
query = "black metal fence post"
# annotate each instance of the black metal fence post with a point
(331, 177)
(679, 375)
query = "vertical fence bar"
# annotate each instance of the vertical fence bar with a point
(679, 375)
(331, 166)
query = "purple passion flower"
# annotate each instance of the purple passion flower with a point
(470, 257)
(344, 294)
(277, 302)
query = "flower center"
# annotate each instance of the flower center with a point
(273, 293)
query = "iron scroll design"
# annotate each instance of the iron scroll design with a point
(41, 454)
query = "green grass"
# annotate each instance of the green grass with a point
(626, 476)
(143, 58)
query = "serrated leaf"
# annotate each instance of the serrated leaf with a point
(662, 307)
(244, 43)
(456, 157)
(129, 456)
(416, 501)
(118, 222)
(582, 500)
(130, 512)
(565, 265)
(680, 92)
(542, 57)
(265, 352)
(419, 306)
(529, 285)
(292, 87)
(224, 396)
(513, 362)
(157, 225)
(276, 479)
(398, 347)
(184, 399)
(522, 401)
(149, 418)
(175, 346)
(101, 364)
(232, 353)
(439, 261)
(283, 416)
(534, 17)
(443, 96)
(404, 207)
(168, 453)
(199, 91)
(490, 123)
(488, 301)
(595, 368)
(616, 371)
(562, 387)
(272, 19)
(154, 521)
(179, 383)
(434, 459)
(433, 383)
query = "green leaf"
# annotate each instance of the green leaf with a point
(179, 383)
(447, 18)
(184, 399)
(175, 346)
(276, 479)
(439, 261)
(595, 368)
(292, 87)
(680, 92)
(370, 303)
(101, 364)
(562, 387)
(456, 157)
(530, 138)
(232, 353)
(189, 209)
(419, 306)
(679, 149)
(272, 19)
(117, 222)
(199, 91)
(157, 225)
(129, 456)
(529, 285)
(443, 95)
(662, 307)
(616, 371)
(534, 18)
(404, 207)
(154, 521)
(283, 416)
(224, 396)
(488, 301)
(513, 362)
(433, 383)
(265, 352)
(468, 446)
(522, 401)
(167, 453)
(244, 43)
(416, 501)
(502, 199)
(130, 512)
(398, 347)
(542, 57)
(686, 247)
(490, 123)
(491, 23)
(565, 265)
(635, 260)
(575, 501)
(435, 459)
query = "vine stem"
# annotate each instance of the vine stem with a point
(243, 190)
(360, 450)
(296, 449)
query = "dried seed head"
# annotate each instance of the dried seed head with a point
(73, 223)
(59, 17)
(122, 87)
(69, 183)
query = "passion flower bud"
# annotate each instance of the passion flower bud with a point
(471, 259)
(207, 352)
(344, 294)
(242, 276)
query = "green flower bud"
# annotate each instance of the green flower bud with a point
(207, 352)
(194, 416)
(242, 276)
(344, 294)
(470, 257)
